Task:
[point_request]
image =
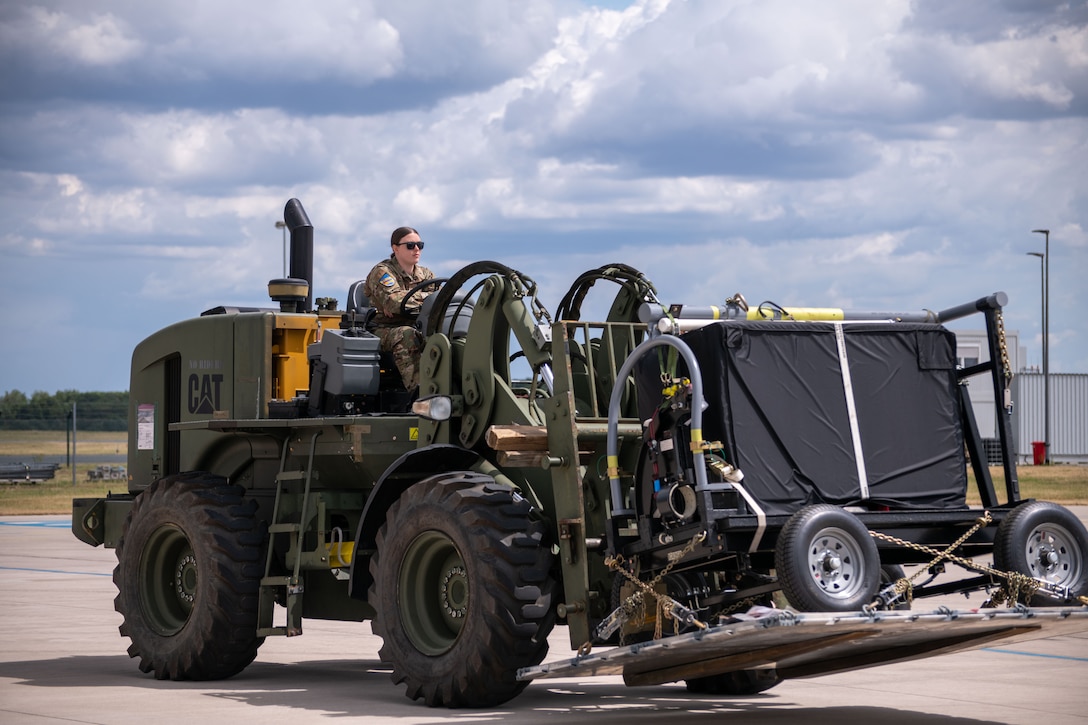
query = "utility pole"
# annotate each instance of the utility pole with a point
(73, 443)
(1046, 343)
(282, 225)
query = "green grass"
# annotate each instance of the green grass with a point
(52, 497)
(31, 445)
(1064, 484)
(55, 496)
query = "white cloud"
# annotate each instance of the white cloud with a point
(99, 40)
(414, 202)
(864, 154)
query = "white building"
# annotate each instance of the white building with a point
(1068, 402)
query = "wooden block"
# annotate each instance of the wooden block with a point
(517, 438)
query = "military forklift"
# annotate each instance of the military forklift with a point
(722, 495)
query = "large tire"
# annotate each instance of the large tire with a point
(463, 591)
(188, 572)
(1046, 541)
(827, 561)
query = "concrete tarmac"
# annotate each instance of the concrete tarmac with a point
(63, 661)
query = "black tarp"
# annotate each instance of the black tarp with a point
(778, 404)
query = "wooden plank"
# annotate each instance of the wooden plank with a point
(517, 438)
(522, 459)
(739, 661)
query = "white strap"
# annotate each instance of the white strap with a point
(761, 517)
(851, 409)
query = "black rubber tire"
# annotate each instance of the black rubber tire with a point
(1046, 541)
(187, 576)
(812, 542)
(739, 683)
(463, 590)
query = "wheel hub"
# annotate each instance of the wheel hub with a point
(833, 562)
(832, 565)
(455, 592)
(1046, 550)
(168, 580)
(185, 578)
(434, 592)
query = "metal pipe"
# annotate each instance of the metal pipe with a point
(697, 404)
(74, 458)
(992, 302)
(1046, 343)
(302, 247)
(683, 318)
(282, 226)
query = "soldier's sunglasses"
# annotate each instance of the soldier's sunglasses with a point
(410, 245)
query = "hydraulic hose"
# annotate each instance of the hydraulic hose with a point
(697, 405)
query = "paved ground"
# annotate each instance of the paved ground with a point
(63, 661)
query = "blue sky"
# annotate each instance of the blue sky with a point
(891, 155)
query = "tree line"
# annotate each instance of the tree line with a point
(42, 411)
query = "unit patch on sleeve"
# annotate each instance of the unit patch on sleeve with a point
(387, 281)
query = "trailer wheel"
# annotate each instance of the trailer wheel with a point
(1046, 541)
(827, 561)
(187, 577)
(462, 590)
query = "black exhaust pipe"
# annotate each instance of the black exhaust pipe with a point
(302, 247)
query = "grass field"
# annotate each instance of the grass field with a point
(32, 444)
(55, 496)
(1066, 485)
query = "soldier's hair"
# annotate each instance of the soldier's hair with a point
(400, 233)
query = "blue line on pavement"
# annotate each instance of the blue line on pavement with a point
(53, 571)
(66, 523)
(1034, 654)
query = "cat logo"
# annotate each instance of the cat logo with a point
(204, 393)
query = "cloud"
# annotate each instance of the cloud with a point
(96, 40)
(879, 155)
(361, 56)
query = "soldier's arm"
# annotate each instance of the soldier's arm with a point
(387, 293)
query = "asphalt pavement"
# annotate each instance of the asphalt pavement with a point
(63, 661)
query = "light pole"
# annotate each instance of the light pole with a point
(1042, 296)
(1046, 342)
(283, 225)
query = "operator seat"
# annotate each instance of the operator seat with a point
(455, 324)
(358, 313)
(358, 308)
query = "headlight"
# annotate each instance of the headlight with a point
(434, 407)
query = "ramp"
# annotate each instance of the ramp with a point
(815, 643)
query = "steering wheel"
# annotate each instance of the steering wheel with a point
(432, 282)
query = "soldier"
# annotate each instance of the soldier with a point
(386, 286)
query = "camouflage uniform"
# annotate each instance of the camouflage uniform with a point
(386, 286)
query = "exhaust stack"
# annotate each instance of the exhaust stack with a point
(302, 248)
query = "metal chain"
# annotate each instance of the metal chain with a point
(616, 563)
(938, 555)
(1003, 345)
(1017, 586)
(665, 604)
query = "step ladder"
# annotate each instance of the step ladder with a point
(288, 586)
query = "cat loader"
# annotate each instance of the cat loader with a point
(723, 495)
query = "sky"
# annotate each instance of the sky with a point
(887, 155)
